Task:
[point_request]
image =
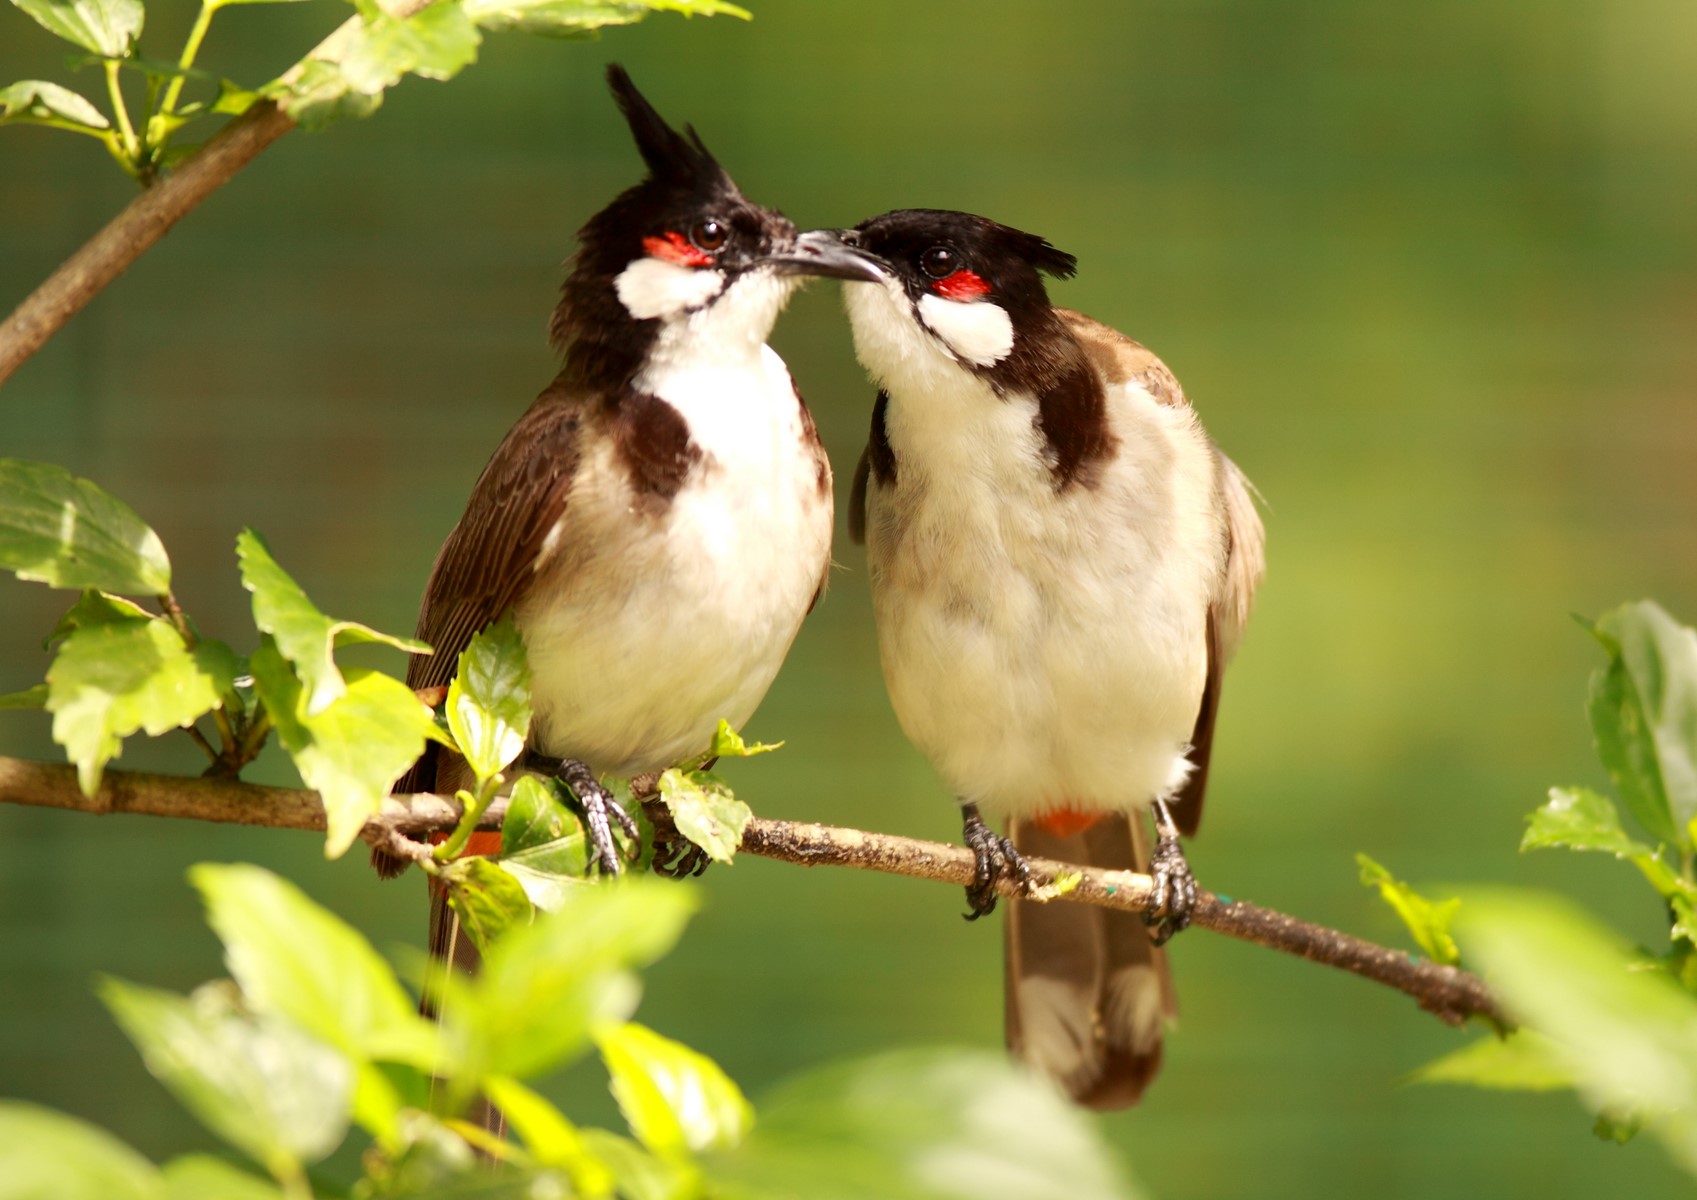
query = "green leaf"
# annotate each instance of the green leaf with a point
(68, 533)
(130, 673)
(489, 699)
(489, 901)
(95, 608)
(674, 1099)
(107, 27)
(46, 1155)
(641, 1175)
(260, 1084)
(436, 44)
(1523, 1061)
(304, 636)
(920, 1125)
(1428, 922)
(728, 743)
(543, 844)
(34, 697)
(1643, 713)
(535, 817)
(1581, 819)
(202, 1177)
(581, 18)
(37, 102)
(706, 811)
(319, 95)
(545, 985)
(551, 1139)
(1627, 1035)
(353, 752)
(297, 960)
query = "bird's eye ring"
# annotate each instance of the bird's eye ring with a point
(938, 262)
(709, 235)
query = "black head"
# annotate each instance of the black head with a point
(960, 256)
(965, 293)
(690, 234)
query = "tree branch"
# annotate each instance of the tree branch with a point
(1448, 992)
(151, 215)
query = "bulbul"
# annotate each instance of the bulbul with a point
(658, 522)
(1061, 562)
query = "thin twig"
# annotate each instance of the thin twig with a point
(1450, 993)
(150, 217)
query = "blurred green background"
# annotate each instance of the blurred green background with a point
(1429, 272)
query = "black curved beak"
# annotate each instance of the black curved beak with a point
(824, 252)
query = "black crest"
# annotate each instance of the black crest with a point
(672, 157)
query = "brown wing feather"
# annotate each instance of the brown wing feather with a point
(491, 554)
(1186, 807)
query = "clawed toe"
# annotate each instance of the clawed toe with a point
(1172, 899)
(995, 859)
(600, 810)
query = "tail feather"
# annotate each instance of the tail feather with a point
(1088, 994)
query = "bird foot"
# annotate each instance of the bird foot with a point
(680, 859)
(995, 859)
(600, 810)
(1172, 899)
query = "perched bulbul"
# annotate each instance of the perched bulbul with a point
(659, 521)
(1061, 562)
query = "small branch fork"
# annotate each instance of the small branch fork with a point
(1448, 992)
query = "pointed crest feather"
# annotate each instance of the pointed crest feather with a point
(670, 155)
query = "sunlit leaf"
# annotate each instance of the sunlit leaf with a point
(674, 1099)
(1428, 922)
(643, 1175)
(202, 1177)
(1643, 710)
(319, 95)
(33, 697)
(1627, 1035)
(549, 1137)
(728, 743)
(705, 811)
(354, 751)
(67, 532)
(46, 1155)
(107, 27)
(297, 960)
(488, 900)
(37, 102)
(920, 1125)
(111, 679)
(581, 18)
(436, 44)
(1521, 1062)
(1581, 819)
(303, 635)
(260, 1084)
(95, 608)
(489, 699)
(545, 985)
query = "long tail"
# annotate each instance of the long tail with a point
(451, 949)
(1088, 994)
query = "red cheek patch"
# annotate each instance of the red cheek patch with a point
(676, 248)
(962, 285)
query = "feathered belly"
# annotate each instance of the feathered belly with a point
(653, 643)
(1034, 676)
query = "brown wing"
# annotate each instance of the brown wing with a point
(877, 459)
(1246, 563)
(491, 554)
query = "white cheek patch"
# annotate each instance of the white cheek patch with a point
(652, 287)
(978, 331)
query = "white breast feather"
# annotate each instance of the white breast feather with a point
(1042, 648)
(647, 629)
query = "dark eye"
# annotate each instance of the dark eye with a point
(709, 234)
(938, 262)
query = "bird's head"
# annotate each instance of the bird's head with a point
(682, 254)
(956, 290)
